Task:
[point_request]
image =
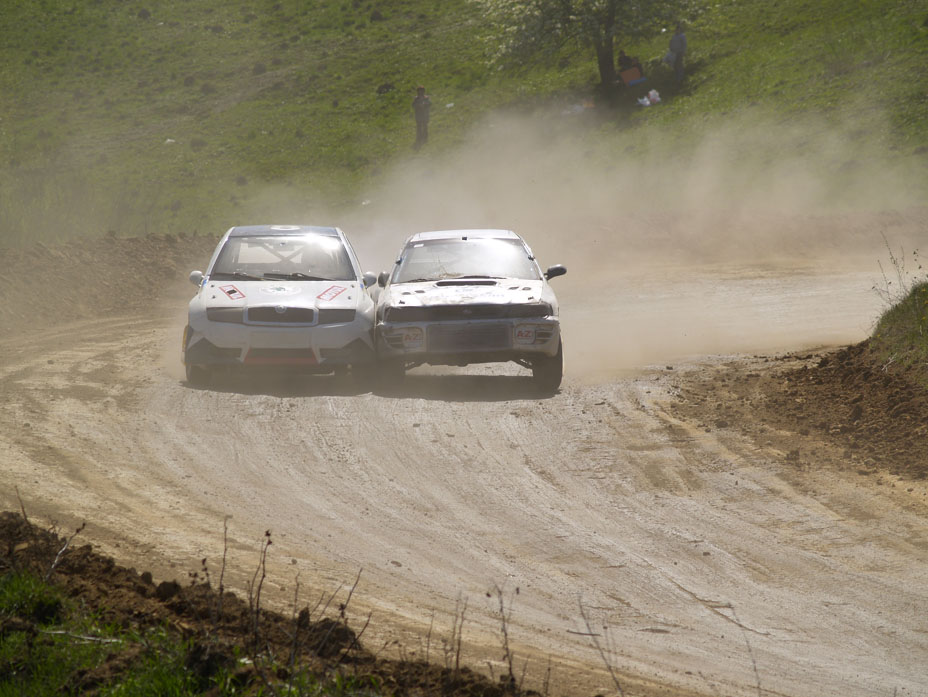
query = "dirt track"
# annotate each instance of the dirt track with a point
(710, 557)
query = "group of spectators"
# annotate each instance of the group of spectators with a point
(674, 57)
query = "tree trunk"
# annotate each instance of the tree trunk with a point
(605, 60)
(604, 42)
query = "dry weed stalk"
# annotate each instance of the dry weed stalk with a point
(546, 683)
(53, 530)
(504, 617)
(599, 647)
(222, 570)
(344, 606)
(452, 646)
(67, 543)
(428, 637)
(22, 506)
(906, 282)
(300, 619)
(255, 586)
(355, 641)
(254, 608)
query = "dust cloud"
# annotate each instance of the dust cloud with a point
(749, 190)
(755, 235)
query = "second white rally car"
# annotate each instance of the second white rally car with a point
(457, 297)
(280, 296)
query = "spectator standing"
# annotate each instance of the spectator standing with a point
(678, 49)
(420, 107)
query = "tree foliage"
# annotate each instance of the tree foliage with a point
(528, 28)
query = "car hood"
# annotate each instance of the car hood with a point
(452, 292)
(330, 294)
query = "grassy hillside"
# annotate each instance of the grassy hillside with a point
(143, 116)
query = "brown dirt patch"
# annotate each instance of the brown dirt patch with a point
(838, 406)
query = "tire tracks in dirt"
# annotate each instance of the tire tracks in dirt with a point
(712, 565)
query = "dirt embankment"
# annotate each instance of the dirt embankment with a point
(839, 406)
(42, 284)
(220, 627)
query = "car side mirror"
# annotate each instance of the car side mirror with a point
(383, 278)
(196, 278)
(369, 279)
(555, 271)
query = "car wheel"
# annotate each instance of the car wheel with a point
(198, 375)
(548, 371)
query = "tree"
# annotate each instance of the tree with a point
(529, 27)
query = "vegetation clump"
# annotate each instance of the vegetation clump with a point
(72, 622)
(901, 335)
(900, 338)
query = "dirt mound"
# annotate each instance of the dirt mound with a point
(841, 406)
(880, 416)
(219, 627)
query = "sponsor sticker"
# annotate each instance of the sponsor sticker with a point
(232, 292)
(331, 292)
(525, 335)
(279, 290)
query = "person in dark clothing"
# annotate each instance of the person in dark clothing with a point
(626, 61)
(420, 107)
(678, 49)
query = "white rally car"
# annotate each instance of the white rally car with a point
(284, 296)
(457, 297)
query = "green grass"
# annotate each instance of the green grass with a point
(52, 646)
(900, 338)
(25, 595)
(192, 115)
(42, 656)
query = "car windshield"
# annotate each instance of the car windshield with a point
(479, 257)
(290, 257)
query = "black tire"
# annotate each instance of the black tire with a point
(548, 371)
(198, 375)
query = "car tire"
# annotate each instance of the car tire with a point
(198, 375)
(548, 371)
